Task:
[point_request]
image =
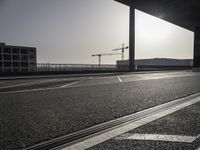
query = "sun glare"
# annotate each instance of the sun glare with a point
(151, 28)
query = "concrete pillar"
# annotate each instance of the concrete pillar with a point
(132, 38)
(196, 63)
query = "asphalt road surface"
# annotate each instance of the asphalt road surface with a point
(37, 110)
(181, 131)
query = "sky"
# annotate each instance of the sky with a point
(70, 31)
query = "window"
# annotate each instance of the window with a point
(7, 64)
(15, 50)
(7, 50)
(15, 57)
(24, 58)
(16, 64)
(32, 56)
(24, 64)
(24, 51)
(7, 57)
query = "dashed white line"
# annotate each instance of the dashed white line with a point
(158, 137)
(120, 80)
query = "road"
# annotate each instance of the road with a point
(37, 110)
(178, 131)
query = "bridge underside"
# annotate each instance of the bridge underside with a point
(182, 13)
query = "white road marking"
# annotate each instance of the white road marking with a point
(53, 76)
(109, 134)
(40, 81)
(67, 85)
(95, 84)
(132, 80)
(41, 89)
(120, 80)
(163, 75)
(158, 137)
(29, 83)
(31, 90)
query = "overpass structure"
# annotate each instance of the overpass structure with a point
(182, 13)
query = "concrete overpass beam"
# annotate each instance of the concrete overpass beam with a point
(132, 39)
(196, 63)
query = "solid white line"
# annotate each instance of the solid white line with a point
(31, 90)
(159, 137)
(28, 83)
(102, 137)
(67, 85)
(120, 80)
(41, 89)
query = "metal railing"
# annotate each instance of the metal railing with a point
(47, 67)
(76, 67)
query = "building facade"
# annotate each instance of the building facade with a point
(17, 58)
(157, 63)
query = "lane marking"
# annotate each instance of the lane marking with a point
(162, 75)
(79, 86)
(29, 83)
(76, 86)
(133, 80)
(41, 89)
(67, 85)
(158, 137)
(109, 134)
(120, 80)
(55, 76)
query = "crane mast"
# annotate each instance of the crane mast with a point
(122, 49)
(104, 54)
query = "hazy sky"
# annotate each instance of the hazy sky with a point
(70, 31)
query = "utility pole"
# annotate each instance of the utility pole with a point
(122, 49)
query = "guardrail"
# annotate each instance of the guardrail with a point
(75, 67)
(47, 67)
(106, 67)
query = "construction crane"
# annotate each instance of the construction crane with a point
(122, 49)
(105, 54)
